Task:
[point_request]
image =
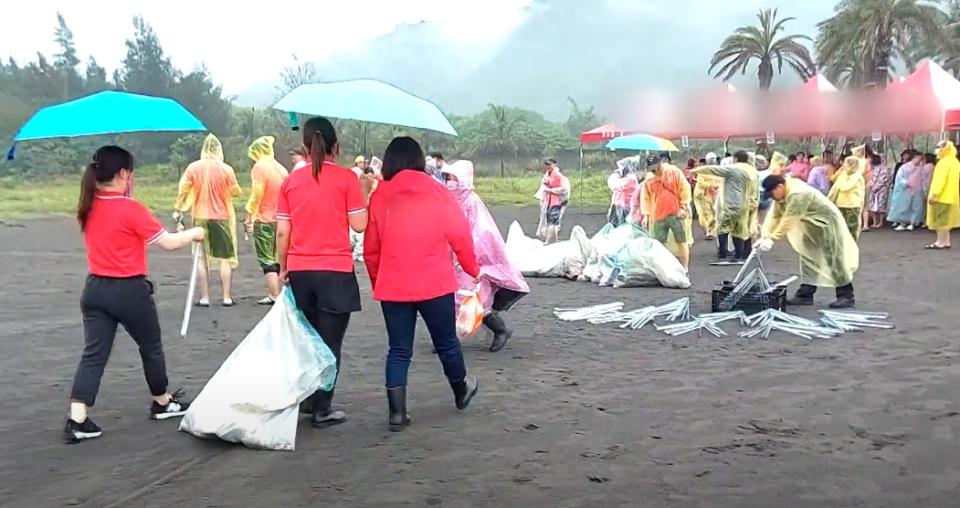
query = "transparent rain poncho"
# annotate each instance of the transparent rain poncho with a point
(705, 194)
(496, 270)
(266, 177)
(648, 204)
(816, 230)
(945, 190)
(740, 198)
(207, 189)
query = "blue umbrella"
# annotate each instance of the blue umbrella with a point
(108, 113)
(642, 142)
(366, 100)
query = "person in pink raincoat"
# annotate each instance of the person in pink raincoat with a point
(501, 284)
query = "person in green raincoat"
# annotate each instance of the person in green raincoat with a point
(266, 178)
(207, 189)
(739, 204)
(815, 228)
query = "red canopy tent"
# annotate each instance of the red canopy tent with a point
(921, 101)
(605, 132)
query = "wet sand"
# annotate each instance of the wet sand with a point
(569, 414)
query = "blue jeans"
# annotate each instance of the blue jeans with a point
(401, 321)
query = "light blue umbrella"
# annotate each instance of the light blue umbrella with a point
(366, 100)
(642, 142)
(109, 113)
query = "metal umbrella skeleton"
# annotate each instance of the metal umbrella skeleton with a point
(366, 100)
(114, 112)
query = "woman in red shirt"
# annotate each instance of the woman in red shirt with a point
(414, 224)
(318, 205)
(116, 231)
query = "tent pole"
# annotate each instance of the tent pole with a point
(581, 178)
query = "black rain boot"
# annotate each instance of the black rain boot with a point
(723, 245)
(738, 248)
(845, 299)
(306, 407)
(323, 413)
(747, 248)
(501, 332)
(464, 391)
(803, 296)
(397, 404)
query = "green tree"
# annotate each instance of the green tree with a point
(146, 68)
(767, 47)
(66, 60)
(580, 120)
(875, 33)
(95, 79)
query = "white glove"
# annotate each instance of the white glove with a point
(764, 245)
(177, 215)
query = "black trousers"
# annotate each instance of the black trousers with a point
(808, 290)
(326, 300)
(105, 304)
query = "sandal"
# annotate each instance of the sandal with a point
(934, 246)
(203, 303)
(227, 303)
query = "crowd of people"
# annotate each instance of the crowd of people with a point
(412, 210)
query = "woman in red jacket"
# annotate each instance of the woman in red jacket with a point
(116, 232)
(318, 205)
(414, 223)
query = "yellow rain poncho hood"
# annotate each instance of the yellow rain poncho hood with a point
(261, 148)
(944, 211)
(207, 189)
(777, 162)
(849, 188)
(816, 230)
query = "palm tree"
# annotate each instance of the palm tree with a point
(871, 34)
(763, 44)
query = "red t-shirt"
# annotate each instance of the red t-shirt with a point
(317, 211)
(553, 180)
(414, 225)
(117, 233)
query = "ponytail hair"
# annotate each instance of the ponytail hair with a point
(319, 139)
(107, 162)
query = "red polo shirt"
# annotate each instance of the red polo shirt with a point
(117, 233)
(414, 224)
(317, 211)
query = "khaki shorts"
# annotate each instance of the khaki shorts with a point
(663, 227)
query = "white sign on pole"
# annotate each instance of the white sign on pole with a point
(877, 136)
(771, 139)
(685, 141)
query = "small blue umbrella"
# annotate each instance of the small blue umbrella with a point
(108, 112)
(642, 142)
(366, 100)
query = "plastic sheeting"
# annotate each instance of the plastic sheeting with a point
(626, 257)
(254, 396)
(561, 259)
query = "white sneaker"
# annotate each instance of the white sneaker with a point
(900, 228)
(910, 227)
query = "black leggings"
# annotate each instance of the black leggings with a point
(326, 300)
(106, 303)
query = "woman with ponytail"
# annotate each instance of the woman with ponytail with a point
(116, 231)
(318, 205)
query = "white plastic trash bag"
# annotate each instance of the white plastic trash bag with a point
(561, 259)
(254, 397)
(642, 262)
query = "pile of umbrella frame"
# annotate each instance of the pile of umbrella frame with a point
(677, 320)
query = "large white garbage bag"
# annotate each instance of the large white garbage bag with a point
(561, 259)
(642, 262)
(254, 397)
(607, 242)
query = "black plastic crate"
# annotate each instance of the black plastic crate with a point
(751, 302)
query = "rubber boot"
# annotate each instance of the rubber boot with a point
(803, 296)
(723, 245)
(501, 332)
(464, 391)
(845, 299)
(397, 404)
(323, 413)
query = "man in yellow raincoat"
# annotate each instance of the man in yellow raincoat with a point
(943, 201)
(738, 209)
(207, 189)
(848, 193)
(266, 178)
(666, 207)
(705, 199)
(829, 255)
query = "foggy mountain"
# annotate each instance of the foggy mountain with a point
(591, 51)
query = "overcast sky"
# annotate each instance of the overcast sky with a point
(242, 47)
